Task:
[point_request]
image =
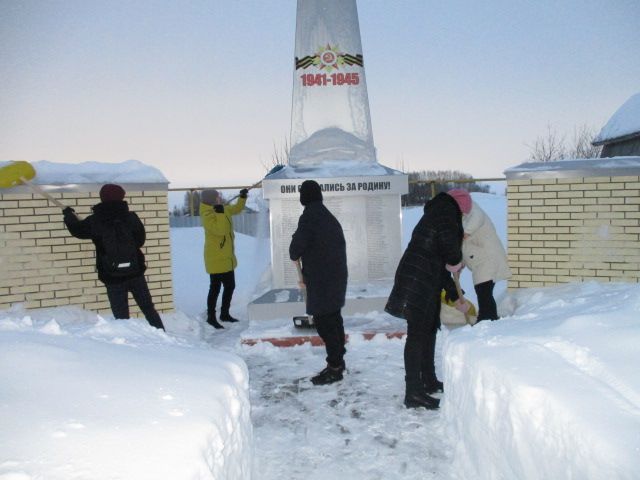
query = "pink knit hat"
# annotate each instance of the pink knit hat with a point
(462, 197)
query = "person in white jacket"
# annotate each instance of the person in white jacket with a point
(482, 253)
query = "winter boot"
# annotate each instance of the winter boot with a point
(328, 375)
(225, 317)
(416, 397)
(211, 320)
(433, 386)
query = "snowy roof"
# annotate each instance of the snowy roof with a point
(129, 172)
(580, 167)
(623, 124)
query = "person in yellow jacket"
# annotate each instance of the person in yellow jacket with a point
(219, 256)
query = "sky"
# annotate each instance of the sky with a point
(550, 390)
(202, 89)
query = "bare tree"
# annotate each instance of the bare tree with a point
(191, 204)
(583, 137)
(553, 147)
(548, 148)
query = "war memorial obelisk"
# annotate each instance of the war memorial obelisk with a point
(332, 143)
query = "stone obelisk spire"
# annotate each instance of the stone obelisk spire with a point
(330, 118)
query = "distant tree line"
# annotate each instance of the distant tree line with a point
(185, 209)
(425, 184)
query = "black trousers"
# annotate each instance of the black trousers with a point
(487, 309)
(331, 329)
(420, 347)
(226, 280)
(118, 294)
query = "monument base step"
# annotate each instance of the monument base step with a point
(282, 332)
(288, 303)
(314, 340)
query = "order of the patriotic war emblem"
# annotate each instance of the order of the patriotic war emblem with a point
(329, 58)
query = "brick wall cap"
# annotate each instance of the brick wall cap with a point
(576, 168)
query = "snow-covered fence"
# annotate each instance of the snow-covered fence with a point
(42, 265)
(574, 220)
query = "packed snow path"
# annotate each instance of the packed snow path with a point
(357, 428)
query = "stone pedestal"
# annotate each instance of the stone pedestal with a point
(369, 210)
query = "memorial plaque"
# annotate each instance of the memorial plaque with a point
(368, 208)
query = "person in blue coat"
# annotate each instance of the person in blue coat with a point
(320, 245)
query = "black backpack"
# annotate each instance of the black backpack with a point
(121, 256)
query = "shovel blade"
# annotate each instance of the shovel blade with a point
(13, 173)
(303, 321)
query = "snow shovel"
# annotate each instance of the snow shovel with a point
(302, 321)
(456, 281)
(21, 173)
(275, 169)
(15, 173)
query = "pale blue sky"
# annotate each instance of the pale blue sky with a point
(202, 89)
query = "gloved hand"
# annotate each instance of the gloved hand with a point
(453, 268)
(218, 208)
(68, 211)
(244, 192)
(462, 306)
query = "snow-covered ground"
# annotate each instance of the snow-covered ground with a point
(549, 391)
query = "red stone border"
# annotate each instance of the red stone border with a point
(314, 340)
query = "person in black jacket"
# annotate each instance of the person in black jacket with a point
(109, 215)
(319, 243)
(435, 250)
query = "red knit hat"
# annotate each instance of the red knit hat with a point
(462, 197)
(111, 193)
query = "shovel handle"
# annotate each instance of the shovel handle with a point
(301, 279)
(258, 183)
(45, 194)
(40, 191)
(456, 281)
(248, 188)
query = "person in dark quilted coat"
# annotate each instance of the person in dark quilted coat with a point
(433, 253)
(320, 245)
(111, 211)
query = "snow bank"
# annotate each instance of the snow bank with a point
(551, 391)
(88, 397)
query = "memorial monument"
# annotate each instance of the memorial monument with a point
(332, 143)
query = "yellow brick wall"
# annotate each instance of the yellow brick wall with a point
(42, 265)
(573, 229)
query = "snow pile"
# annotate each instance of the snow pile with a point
(551, 391)
(331, 145)
(87, 397)
(131, 171)
(625, 121)
(334, 169)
